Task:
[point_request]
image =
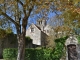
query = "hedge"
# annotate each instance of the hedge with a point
(38, 54)
(30, 54)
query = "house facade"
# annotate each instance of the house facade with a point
(39, 32)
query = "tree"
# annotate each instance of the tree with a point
(70, 12)
(62, 31)
(50, 43)
(69, 17)
(18, 13)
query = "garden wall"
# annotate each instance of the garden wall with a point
(9, 41)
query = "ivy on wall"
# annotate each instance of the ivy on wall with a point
(78, 37)
(28, 40)
(59, 49)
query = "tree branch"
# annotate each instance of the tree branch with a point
(25, 19)
(30, 10)
(21, 3)
(24, 10)
(4, 14)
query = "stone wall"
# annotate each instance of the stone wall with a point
(9, 41)
(43, 39)
(78, 51)
(72, 48)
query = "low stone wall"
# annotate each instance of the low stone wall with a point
(7, 42)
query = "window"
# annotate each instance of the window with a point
(32, 29)
(47, 31)
(41, 22)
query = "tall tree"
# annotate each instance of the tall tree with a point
(70, 12)
(18, 12)
(69, 17)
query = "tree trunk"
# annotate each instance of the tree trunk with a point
(21, 40)
(21, 47)
(21, 43)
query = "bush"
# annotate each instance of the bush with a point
(28, 40)
(78, 37)
(10, 54)
(38, 54)
(59, 50)
(30, 54)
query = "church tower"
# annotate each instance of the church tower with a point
(41, 23)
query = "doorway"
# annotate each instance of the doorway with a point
(72, 53)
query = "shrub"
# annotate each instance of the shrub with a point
(78, 37)
(10, 54)
(38, 54)
(59, 49)
(30, 54)
(28, 40)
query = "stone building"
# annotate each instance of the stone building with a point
(38, 32)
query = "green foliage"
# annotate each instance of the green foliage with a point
(9, 54)
(78, 39)
(38, 54)
(28, 40)
(9, 30)
(30, 54)
(5, 33)
(59, 49)
(61, 40)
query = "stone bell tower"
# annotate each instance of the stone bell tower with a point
(41, 23)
